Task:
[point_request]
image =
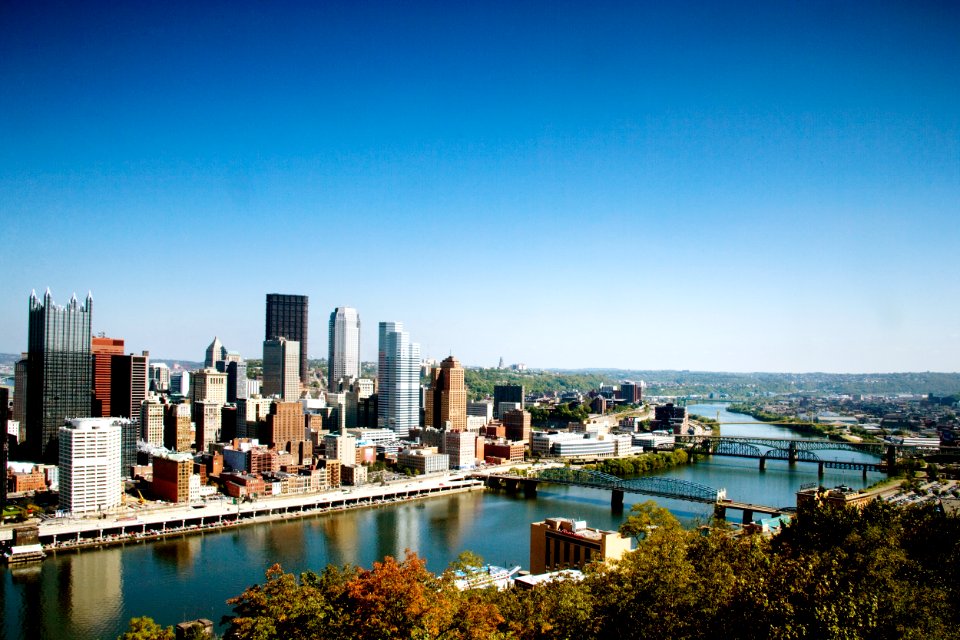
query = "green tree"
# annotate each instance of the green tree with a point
(646, 517)
(146, 629)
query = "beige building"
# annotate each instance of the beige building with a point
(340, 447)
(178, 427)
(461, 447)
(206, 417)
(446, 399)
(209, 384)
(151, 421)
(423, 460)
(561, 543)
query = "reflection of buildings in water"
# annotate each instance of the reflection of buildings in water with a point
(96, 590)
(177, 552)
(342, 531)
(29, 581)
(407, 529)
(450, 520)
(284, 542)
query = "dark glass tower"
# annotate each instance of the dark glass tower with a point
(59, 370)
(287, 318)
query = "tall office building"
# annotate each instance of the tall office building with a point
(281, 358)
(506, 393)
(284, 430)
(180, 383)
(20, 396)
(287, 318)
(446, 399)
(128, 384)
(58, 371)
(398, 405)
(151, 420)
(102, 350)
(343, 355)
(216, 352)
(209, 384)
(159, 377)
(236, 380)
(206, 417)
(89, 465)
(178, 427)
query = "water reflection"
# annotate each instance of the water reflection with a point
(96, 591)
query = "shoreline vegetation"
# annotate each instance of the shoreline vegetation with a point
(643, 463)
(794, 424)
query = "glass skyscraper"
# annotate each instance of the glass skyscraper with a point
(398, 406)
(287, 318)
(343, 356)
(59, 371)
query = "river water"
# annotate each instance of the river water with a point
(94, 593)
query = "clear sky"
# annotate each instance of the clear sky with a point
(738, 186)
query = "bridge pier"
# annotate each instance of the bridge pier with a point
(530, 488)
(864, 472)
(820, 469)
(792, 452)
(763, 464)
(719, 511)
(747, 516)
(616, 501)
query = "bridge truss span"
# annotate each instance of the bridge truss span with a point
(721, 444)
(651, 485)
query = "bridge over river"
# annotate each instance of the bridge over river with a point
(792, 450)
(648, 485)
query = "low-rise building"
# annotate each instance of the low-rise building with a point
(562, 543)
(423, 460)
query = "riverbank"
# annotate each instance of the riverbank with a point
(73, 535)
(787, 422)
(643, 463)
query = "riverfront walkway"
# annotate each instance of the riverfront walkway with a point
(58, 534)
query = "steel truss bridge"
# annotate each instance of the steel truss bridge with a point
(786, 449)
(651, 486)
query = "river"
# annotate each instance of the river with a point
(94, 593)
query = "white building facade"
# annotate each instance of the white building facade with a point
(89, 469)
(343, 354)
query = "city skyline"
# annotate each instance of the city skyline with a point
(718, 188)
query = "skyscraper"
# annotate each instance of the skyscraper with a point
(216, 352)
(343, 356)
(89, 464)
(506, 393)
(287, 318)
(102, 351)
(446, 399)
(398, 405)
(58, 370)
(280, 360)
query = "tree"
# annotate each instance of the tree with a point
(646, 517)
(146, 629)
(286, 607)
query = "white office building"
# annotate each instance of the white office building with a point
(89, 470)
(343, 354)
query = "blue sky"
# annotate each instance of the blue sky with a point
(716, 186)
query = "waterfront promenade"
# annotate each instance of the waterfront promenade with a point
(140, 524)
